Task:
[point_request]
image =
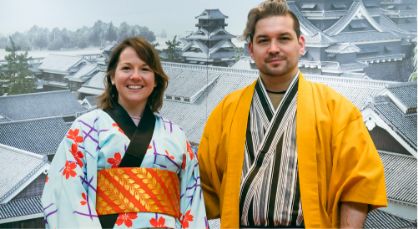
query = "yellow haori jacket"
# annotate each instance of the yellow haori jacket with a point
(337, 159)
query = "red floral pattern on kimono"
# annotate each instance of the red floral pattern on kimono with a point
(158, 222)
(69, 169)
(126, 219)
(115, 161)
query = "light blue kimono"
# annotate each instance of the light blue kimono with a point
(95, 142)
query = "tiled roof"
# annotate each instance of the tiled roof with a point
(343, 48)
(401, 177)
(84, 73)
(368, 36)
(406, 93)
(21, 207)
(211, 14)
(187, 83)
(40, 136)
(380, 219)
(404, 124)
(96, 81)
(306, 26)
(19, 169)
(39, 105)
(319, 38)
(59, 63)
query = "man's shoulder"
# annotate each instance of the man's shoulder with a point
(236, 95)
(325, 91)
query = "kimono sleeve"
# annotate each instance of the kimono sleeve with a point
(358, 170)
(66, 199)
(208, 160)
(192, 207)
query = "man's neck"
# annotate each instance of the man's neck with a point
(278, 83)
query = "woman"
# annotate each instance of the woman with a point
(123, 165)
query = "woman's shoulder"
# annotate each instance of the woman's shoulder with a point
(169, 125)
(91, 116)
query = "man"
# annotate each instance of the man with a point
(286, 152)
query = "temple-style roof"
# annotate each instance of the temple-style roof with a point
(15, 210)
(40, 136)
(366, 37)
(211, 14)
(319, 38)
(19, 168)
(395, 121)
(356, 10)
(381, 219)
(343, 48)
(400, 177)
(187, 85)
(85, 72)
(39, 105)
(94, 86)
(404, 95)
(60, 64)
(306, 26)
(204, 35)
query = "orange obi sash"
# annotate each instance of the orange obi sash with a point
(133, 189)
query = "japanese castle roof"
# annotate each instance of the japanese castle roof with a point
(306, 26)
(211, 14)
(22, 168)
(400, 177)
(356, 10)
(40, 136)
(60, 64)
(343, 48)
(39, 105)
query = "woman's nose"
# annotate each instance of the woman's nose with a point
(136, 75)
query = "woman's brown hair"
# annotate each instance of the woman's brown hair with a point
(146, 53)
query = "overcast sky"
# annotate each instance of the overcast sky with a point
(173, 16)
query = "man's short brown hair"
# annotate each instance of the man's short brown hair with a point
(266, 9)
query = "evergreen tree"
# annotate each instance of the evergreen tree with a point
(173, 50)
(16, 72)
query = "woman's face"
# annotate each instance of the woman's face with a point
(134, 80)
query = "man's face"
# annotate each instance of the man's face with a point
(275, 48)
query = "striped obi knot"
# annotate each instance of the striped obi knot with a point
(133, 189)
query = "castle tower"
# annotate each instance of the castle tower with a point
(211, 44)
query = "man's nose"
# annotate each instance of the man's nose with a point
(274, 47)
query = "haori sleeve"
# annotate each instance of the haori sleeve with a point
(66, 199)
(192, 208)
